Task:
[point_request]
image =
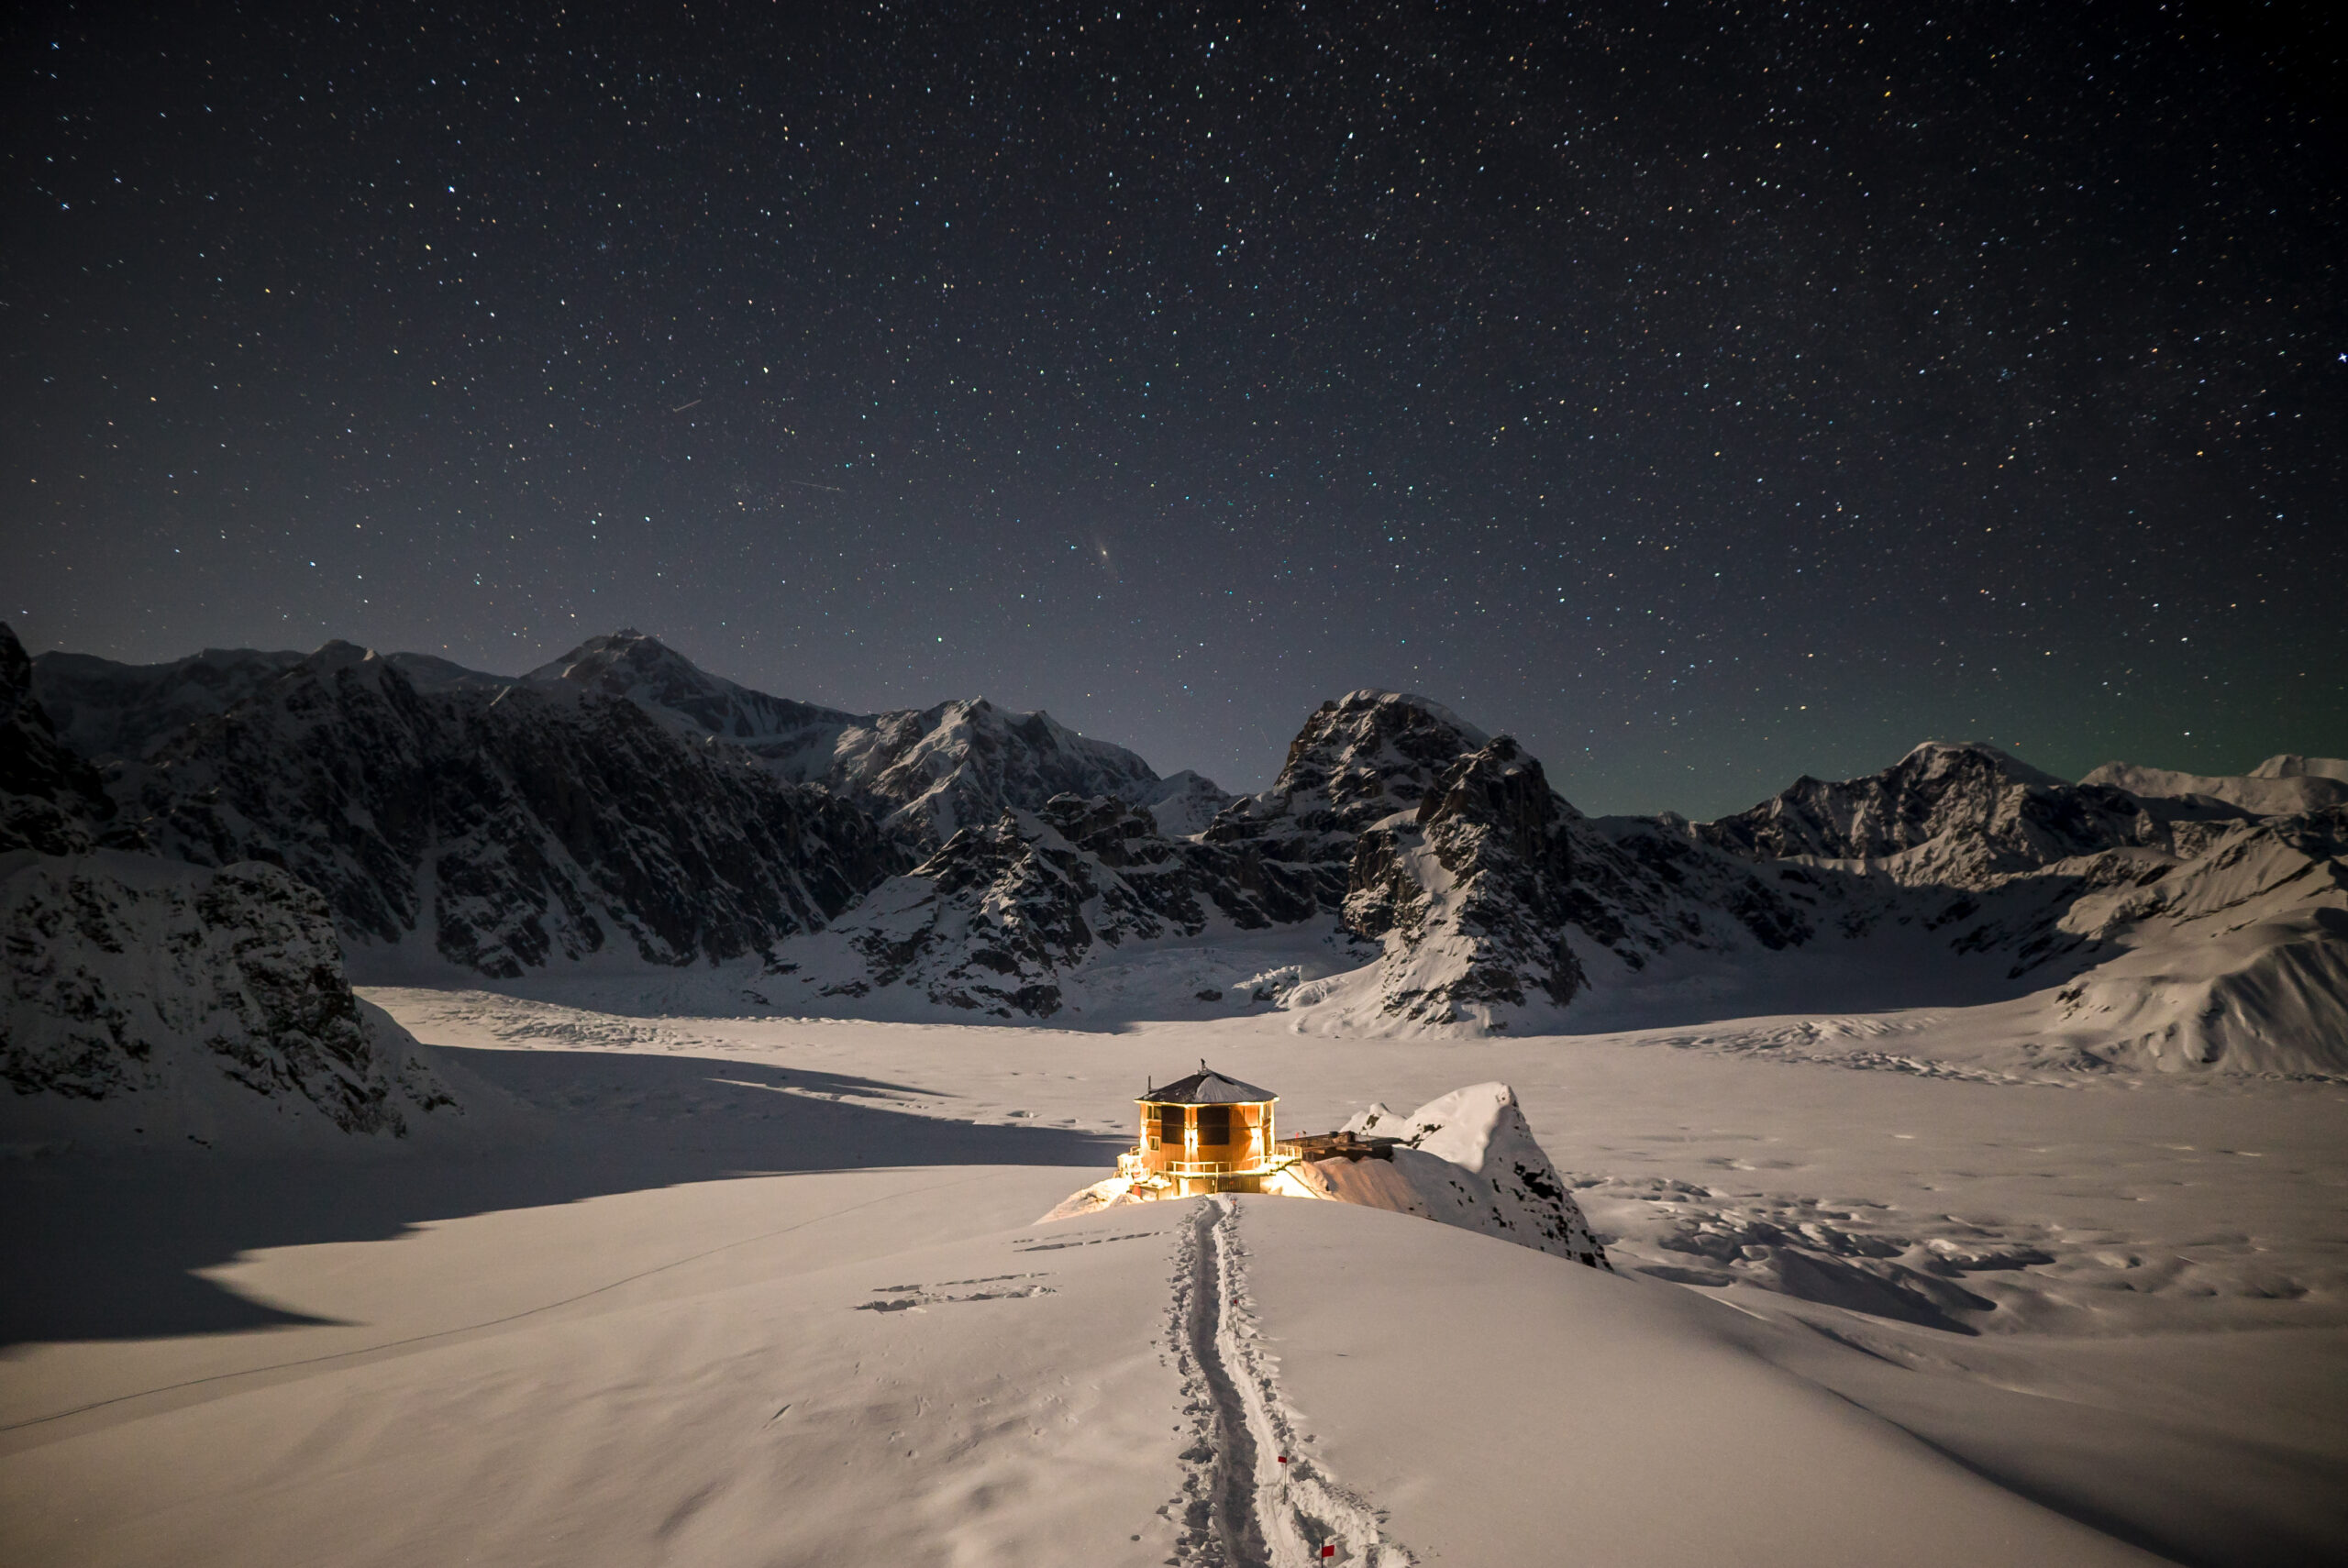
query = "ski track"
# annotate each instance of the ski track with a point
(1250, 1500)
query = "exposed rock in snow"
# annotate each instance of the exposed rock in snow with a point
(507, 828)
(189, 1004)
(1000, 916)
(928, 774)
(924, 773)
(1358, 760)
(1468, 1159)
(1959, 816)
(2188, 930)
(1472, 891)
(51, 800)
(2281, 786)
(997, 920)
(1183, 803)
(1448, 848)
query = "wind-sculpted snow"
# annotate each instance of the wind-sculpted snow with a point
(507, 828)
(194, 1003)
(2238, 956)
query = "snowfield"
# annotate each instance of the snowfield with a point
(1888, 1286)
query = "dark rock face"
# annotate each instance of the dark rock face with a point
(1000, 915)
(795, 739)
(110, 711)
(1359, 759)
(1473, 891)
(510, 826)
(1393, 821)
(51, 800)
(125, 974)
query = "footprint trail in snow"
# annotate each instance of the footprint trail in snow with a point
(1250, 1499)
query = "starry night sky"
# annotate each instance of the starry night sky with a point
(1706, 393)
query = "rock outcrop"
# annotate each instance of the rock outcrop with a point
(1471, 892)
(196, 1003)
(1359, 759)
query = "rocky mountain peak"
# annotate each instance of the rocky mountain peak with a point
(1368, 750)
(1945, 759)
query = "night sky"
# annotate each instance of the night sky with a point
(1706, 393)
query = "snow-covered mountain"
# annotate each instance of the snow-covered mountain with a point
(1005, 916)
(1359, 759)
(497, 830)
(2281, 786)
(1406, 871)
(1395, 832)
(159, 1003)
(1960, 816)
(924, 773)
(2189, 926)
(795, 739)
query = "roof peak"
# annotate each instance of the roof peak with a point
(1205, 1086)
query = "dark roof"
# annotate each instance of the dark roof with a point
(1205, 1088)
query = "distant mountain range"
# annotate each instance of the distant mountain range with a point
(1405, 871)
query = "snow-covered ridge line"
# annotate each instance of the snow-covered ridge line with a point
(1406, 873)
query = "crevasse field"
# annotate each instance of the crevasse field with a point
(702, 1290)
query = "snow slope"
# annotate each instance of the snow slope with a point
(2281, 786)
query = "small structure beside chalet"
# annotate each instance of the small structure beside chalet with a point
(1469, 1160)
(1206, 1133)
